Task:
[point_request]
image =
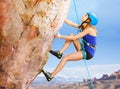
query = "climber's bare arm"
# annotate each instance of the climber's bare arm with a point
(71, 23)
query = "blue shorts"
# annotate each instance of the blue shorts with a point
(88, 55)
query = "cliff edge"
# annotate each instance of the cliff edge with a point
(27, 29)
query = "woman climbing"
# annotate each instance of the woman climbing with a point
(87, 51)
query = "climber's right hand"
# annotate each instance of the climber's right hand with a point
(57, 35)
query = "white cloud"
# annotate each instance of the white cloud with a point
(81, 73)
(94, 70)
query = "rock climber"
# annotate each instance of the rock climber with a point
(88, 36)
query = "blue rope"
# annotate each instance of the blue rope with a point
(93, 87)
(75, 6)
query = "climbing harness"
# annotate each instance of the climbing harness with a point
(88, 44)
(82, 44)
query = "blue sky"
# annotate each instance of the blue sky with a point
(107, 57)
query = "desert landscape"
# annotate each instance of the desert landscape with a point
(111, 81)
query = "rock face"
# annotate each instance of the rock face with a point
(27, 29)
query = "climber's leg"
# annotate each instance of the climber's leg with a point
(59, 54)
(70, 57)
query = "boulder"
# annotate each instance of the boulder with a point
(27, 29)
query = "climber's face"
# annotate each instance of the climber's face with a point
(84, 18)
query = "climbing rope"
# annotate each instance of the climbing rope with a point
(82, 44)
(77, 15)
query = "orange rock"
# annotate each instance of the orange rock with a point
(34, 32)
(5, 50)
(26, 38)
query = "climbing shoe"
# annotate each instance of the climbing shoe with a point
(56, 53)
(47, 75)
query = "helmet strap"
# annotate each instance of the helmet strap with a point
(81, 25)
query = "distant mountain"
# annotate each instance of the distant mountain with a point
(56, 80)
(105, 82)
(113, 76)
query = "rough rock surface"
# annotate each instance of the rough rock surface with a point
(27, 29)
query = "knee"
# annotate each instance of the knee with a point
(71, 34)
(65, 58)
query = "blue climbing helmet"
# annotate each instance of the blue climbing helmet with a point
(93, 18)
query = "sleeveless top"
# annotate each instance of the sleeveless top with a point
(92, 41)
